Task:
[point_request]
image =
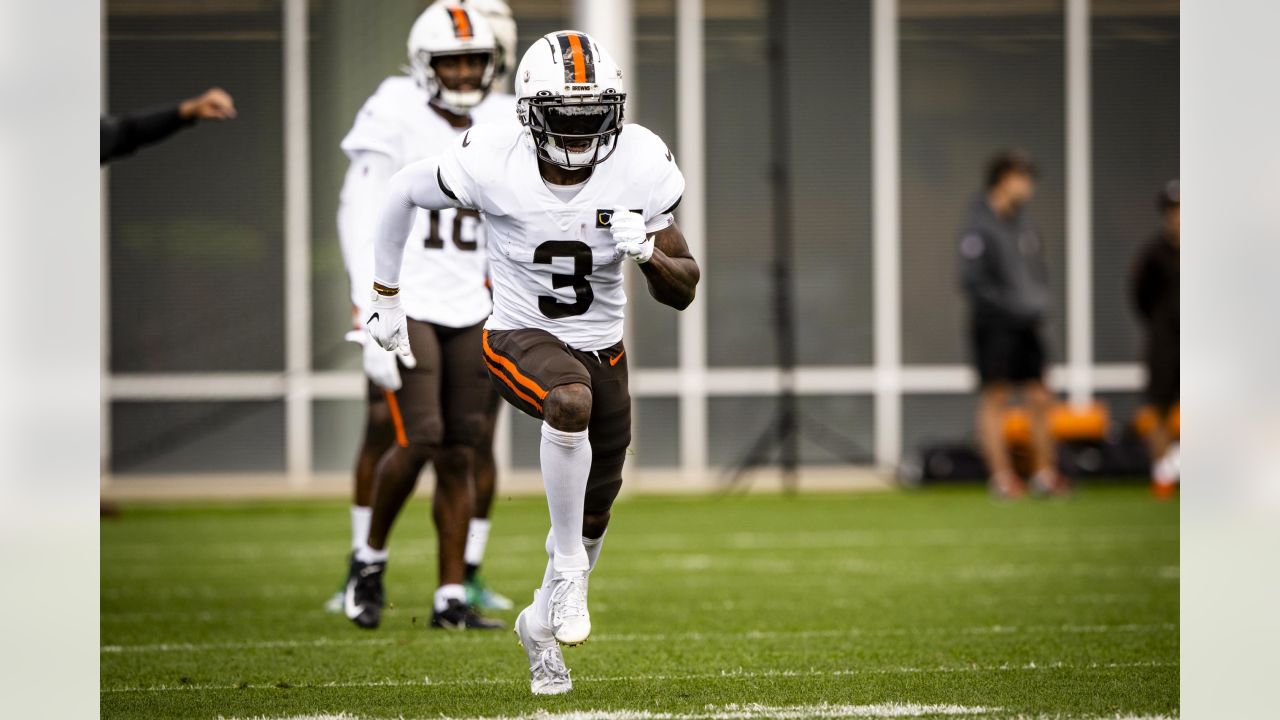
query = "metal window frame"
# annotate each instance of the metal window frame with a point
(887, 379)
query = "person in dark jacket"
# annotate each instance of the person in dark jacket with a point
(1003, 275)
(120, 136)
(1156, 295)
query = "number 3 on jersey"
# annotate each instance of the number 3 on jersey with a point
(581, 254)
(465, 223)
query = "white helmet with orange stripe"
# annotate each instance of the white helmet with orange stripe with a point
(449, 29)
(569, 94)
(503, 25)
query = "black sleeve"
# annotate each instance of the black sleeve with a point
(123, 135)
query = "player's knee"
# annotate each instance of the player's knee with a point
(594, 524)
(416, 454)
(427, 433)
(568, 407)
(452, 463)
(468, 430)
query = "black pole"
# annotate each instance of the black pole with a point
(783, 310)
(787, 424)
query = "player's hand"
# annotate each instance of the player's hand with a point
(386, 323)
(214, 104)
(379, 365)
(629, 236)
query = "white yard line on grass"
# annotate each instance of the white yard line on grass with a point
(744, 711)
(703, 570)
(761, 712)
(722, 675)
(1098, 537)
(665, 637)
(225, 615)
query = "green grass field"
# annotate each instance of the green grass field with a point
(940, 603)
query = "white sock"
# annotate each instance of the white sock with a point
(367, 554)
(360, 517)
(542, 596)
(566, 462)
(593, 549)
(445, 593)
(477, 538)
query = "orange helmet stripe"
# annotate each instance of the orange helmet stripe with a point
(579, 62)
(461, 23)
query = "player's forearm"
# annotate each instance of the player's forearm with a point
(359, 205)
(672, 281)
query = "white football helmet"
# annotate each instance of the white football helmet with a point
(450, 29)
(569, 94)
(503, 25)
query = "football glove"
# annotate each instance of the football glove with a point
(386, 323)
(379, 365)
(629, 236)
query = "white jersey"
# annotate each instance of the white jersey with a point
(553, 262)
(445, 264)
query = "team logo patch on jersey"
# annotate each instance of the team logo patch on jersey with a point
(604, 216)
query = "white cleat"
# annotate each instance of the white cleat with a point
(570, 620)
(547, 672)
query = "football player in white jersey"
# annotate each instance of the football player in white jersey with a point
(436, 404)
(567, 198)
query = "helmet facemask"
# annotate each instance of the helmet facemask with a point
(456, 101)
(574, 132)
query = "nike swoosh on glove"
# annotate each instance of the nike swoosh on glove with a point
(386, 323)
(629, 236)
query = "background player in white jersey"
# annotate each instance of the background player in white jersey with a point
(567, 198)
(439, 407)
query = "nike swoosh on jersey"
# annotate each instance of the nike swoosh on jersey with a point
(466, 139)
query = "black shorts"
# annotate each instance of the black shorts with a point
(446, 400)
(525, 365)
(1008, 354)
(1164, 371)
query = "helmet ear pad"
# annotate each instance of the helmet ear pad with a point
(559, 125)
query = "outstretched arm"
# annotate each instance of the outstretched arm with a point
(416, 186)
(671, 271)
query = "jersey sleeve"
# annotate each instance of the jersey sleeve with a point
(459, 173)
(376, 128)
(666, 190)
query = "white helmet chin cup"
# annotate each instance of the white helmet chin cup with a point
(450, 29)
(566, 158)
(564, 78)
(455, 100)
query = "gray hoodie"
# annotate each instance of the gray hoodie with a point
(1002, 267)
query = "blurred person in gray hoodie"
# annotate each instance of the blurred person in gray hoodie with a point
(1003, 274)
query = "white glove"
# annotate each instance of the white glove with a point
(386, 323)
(379, 365)
(629, 236)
